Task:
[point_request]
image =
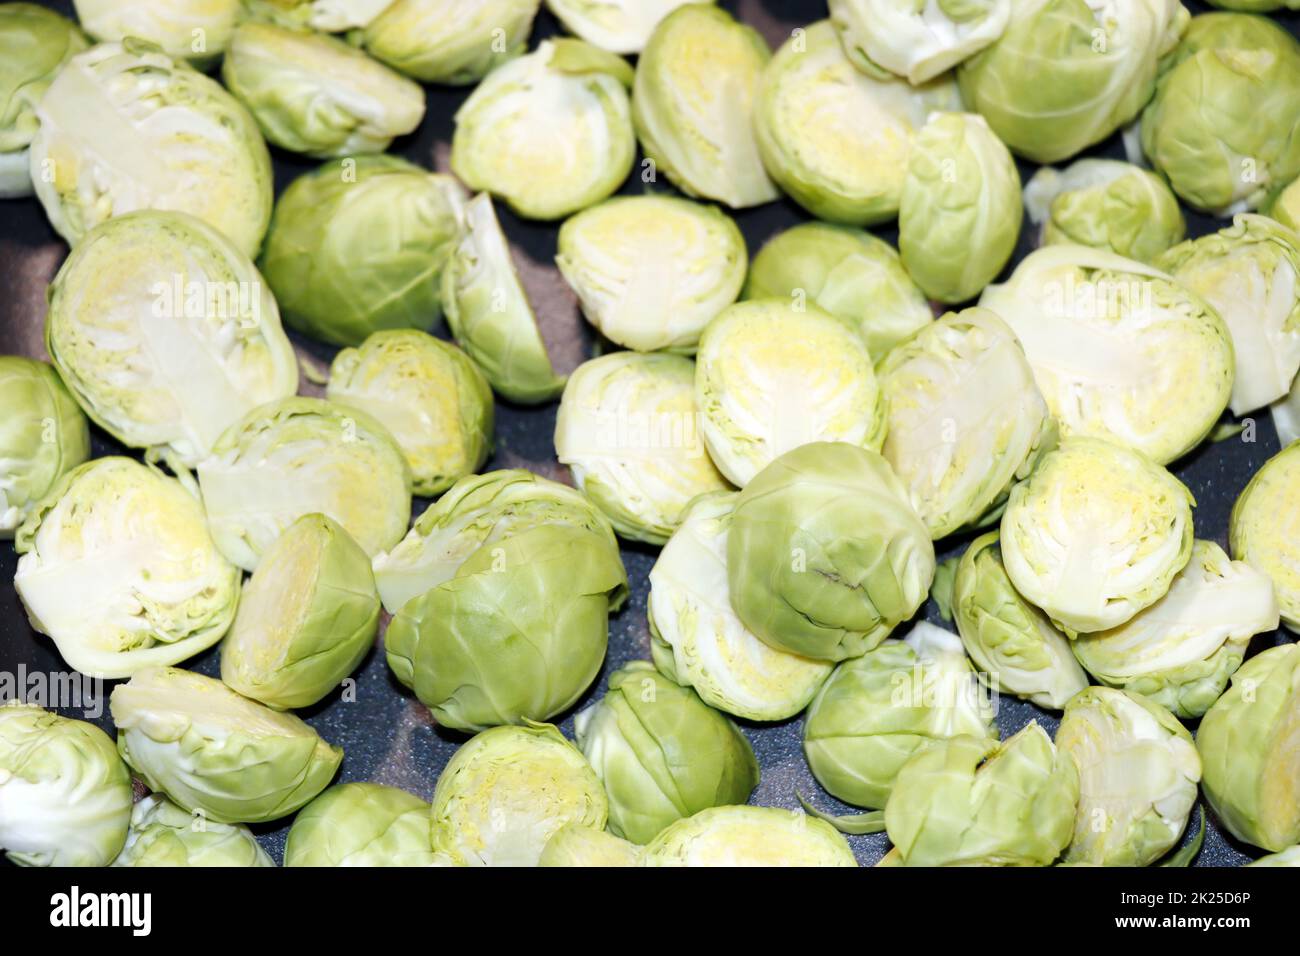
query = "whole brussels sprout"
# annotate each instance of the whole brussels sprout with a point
(965, 418)
(772, 375)
(627, 430)
(42, 435)
(195, 30)
(327, 16)
(65, 795)
(697, 124)
(214, 752)
(916, 41)
(971, 801)
(620, 26)
(1180, 652)
(1265, 528)
(1013, 644)
(652, 271)
(1285, 206)
(1105, 204)
(360, 245)
(132, 545)
(1288, 857)
(825, 555)
(577, 845)
(1221, 125)
(162, 834)
(1067, 73)
(504, 794)
(123, 127)
(749, 836)
(361, 824)
(834, 138)
(1096, 534)
(450, 41)
(879, 710)
(661, 752)
(429, 394)
(1247, 745)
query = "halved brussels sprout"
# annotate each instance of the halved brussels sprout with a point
(834, 138)
(450, 41)
(1285, 206)
(549, 133)
(772, 375)
(1250, 273)
(1181, 651)
(166, 334)
(360, 245)
(577, 845)
(504, 794)
(696, 638)
(847, 272)
(429, 394)
(328, 16)
(879, 710)
(42, 435)
(1265, 528)
(1247, 742)
(620, 26)
(216, 753)
(65, 795)
(916, 40)
(749, 836)
(1096, 534)
(693, 105)
(123, 127)
(1013, 644)
(162, 834)
(971, 801)
(652, 271)
(627, 428)
(489, 314)
(132, 545)
(1105, 204)
(1067, 73)
(361, 824)
(195, 30)
(965, 419)
(301, 456)
(825, 555)
(1287, 857)
(1119, 349)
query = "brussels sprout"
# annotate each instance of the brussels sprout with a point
(1181, 651)
(749, 836)
(697, 124)
(577, 845)
(825, 555)
(551, 132)
(1288, 857)
(504, 794)
(428, 394)
(361, 824)
(620, 26)
(773, 375)
(974, 801)
(1247, 745)
(847, 272)
(879, 710)
(162, 834)
(834, 138)
(959, 216)
(165, 333)
(65, 795)
(489, 314)
(1221, 127)
(1119, 349)
(651, 271)
(42, 435)
(214, 752)
(696, 637)
(1250, 273)
(301, 456)
(328, 16)
(1013, 644)
(123, 127)
(1286, 415)
(916, 40)
(1285, 206)
(195, 30)
(965, 418)
(627, 429)
(34, 43)
(1067, 73)
(1105, 204)
(132, 545)
(450, 41)
(1138, 771)
(1265, 528)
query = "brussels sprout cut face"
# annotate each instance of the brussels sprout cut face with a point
(327, 16)
(162, 834)
(450, 41)
(361, 824)
(916, 41)
(1265, 529)
(195, 30)
(749, 836)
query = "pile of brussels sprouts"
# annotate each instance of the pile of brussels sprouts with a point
(812, 453)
